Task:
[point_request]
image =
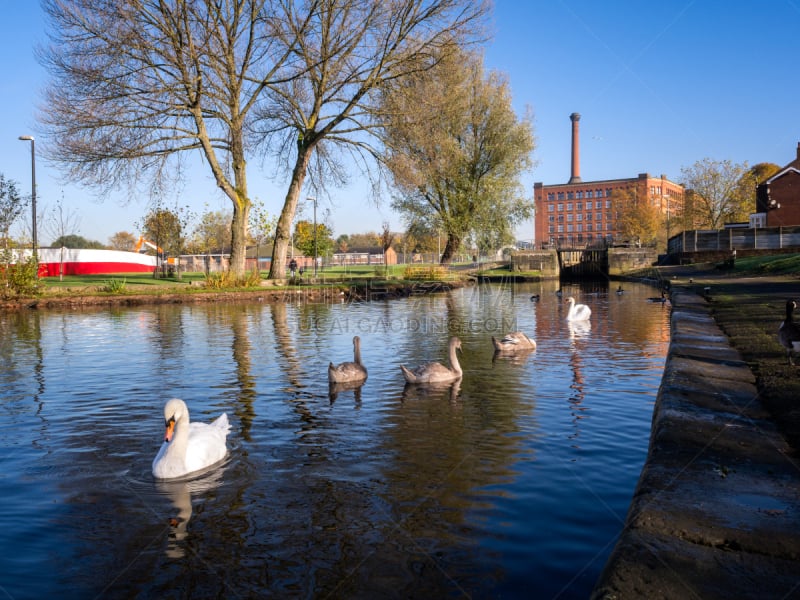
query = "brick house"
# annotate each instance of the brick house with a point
(778, 198)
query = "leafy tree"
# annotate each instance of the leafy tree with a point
(164, 228)
(122, 240)
(718, 196)
(11, 207)
(304, 238)
(457, 162)
(74, 240)
(343, 243)
(752, 178)
(213, 233)
(349, 51)
(420, 237)
(637, 218)
(363, 240)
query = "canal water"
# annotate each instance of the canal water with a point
(514, 483)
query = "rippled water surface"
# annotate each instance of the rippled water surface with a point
(513, 484)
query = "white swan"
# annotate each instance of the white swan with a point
(513, 342)
(436, 372)
(789, 332)
(189, 447)
(349, 371)
(577, 312)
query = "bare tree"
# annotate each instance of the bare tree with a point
(386, 237)
(137, 84)
(60, 223)
(325, 110)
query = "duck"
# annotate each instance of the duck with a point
(349, 371)
(577, 312)
(620, 291)
(189, 447)
(434, 372)
(535, 298)
(789, 332)
(660, 299)
(513, 342)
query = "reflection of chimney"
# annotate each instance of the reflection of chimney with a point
(576, 161)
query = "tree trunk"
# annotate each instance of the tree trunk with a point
(283, 231)
(241, 205)
(450, 248)
(241, 210)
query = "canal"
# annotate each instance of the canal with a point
(514, 482)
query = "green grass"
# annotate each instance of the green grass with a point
(776, 264)
(145, 283)
(131, 279)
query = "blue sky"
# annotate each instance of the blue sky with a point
(659, 85)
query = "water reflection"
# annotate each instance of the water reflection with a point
(577, 394)
(334, 389)
(404, 490)
(245, 381)
(427, 391)
(180, 494)
(579, 330)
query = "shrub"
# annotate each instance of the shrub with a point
(115, 286)
(225, 279)
(18, 279)
(425, 273)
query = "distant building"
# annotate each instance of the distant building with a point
(581, 213)
(778, 198)
(366, 256)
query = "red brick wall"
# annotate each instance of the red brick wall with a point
(785, 190)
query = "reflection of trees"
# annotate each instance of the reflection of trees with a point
(631, 325)
(167, 329)
(445, 453)
(21, 355)
(241, 348)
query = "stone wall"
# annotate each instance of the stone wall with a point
(717, 508)
(545, 261)
(624, 260)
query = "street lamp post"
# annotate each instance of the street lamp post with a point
(29, 138)
(314, 200)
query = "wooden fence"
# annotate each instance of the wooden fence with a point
(739, 238)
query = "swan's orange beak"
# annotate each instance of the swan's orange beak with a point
(170, 429)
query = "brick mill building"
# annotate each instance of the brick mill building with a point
(581, 213)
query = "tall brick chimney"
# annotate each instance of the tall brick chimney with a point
(575, 176)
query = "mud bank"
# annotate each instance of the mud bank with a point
(716, 511)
